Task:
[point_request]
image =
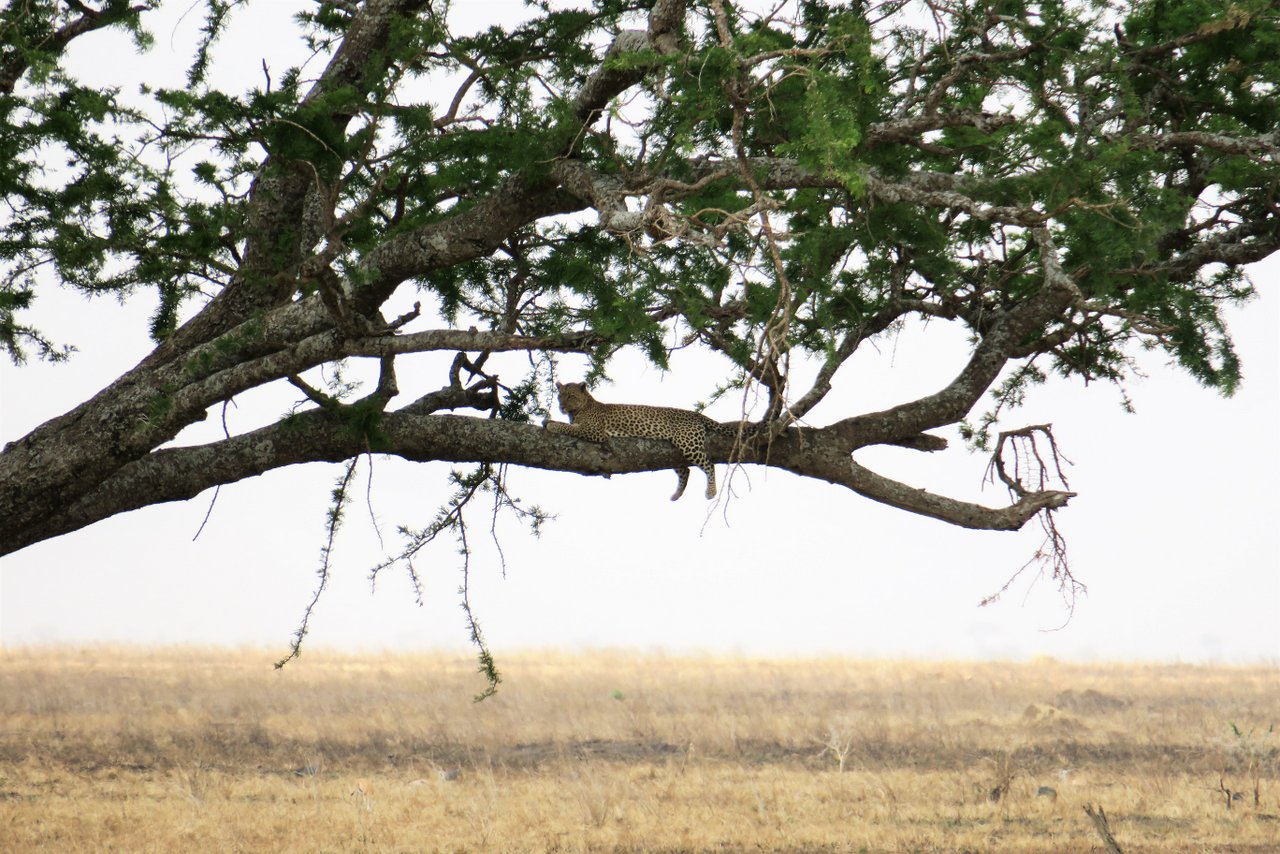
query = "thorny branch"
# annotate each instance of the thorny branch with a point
(452, 516)
(340, 498)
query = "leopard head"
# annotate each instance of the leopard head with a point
(573, 397)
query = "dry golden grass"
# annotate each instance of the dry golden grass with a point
(176, 750)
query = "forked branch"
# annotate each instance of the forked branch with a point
(1029, 466)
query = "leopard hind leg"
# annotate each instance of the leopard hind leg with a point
(701, 461)
(683, 474)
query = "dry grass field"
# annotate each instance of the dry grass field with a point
(186, 750)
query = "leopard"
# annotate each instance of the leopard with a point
(598, 422)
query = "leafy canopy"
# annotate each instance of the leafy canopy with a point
(775, 184)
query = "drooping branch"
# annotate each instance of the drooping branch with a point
(962, 513)
(1031, 473)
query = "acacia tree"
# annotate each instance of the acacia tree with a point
(775, 184)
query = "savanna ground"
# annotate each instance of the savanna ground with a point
(183, 750)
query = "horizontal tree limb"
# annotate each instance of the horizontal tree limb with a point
(176, 474)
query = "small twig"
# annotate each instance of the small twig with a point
(405, 318)
(314, 395)
(1099, 819)
(226, 431)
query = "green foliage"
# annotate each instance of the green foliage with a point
(364, 419)
(78, 196)
(113, 197)
(520, 403)
(1257, 755)
(1010, 393)
(1256, 746)
(15, 337)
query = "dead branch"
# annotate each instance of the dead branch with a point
(1032, 475)
(1030, 471)
(1099, 819)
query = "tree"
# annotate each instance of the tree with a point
(777, 186)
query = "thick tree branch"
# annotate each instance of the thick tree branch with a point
(277, 197)
(469, 340)
(331, 345)
(992, 353)
(145, 409)
(473, 233)
(931, 189)
(958, 238)
(605, 193)
(523, 198)
(613, 77)
(898, 307)
(1242, 244)
(321, 435)
(911, 130)
(1263, 147)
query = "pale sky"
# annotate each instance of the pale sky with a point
(1174, 530)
